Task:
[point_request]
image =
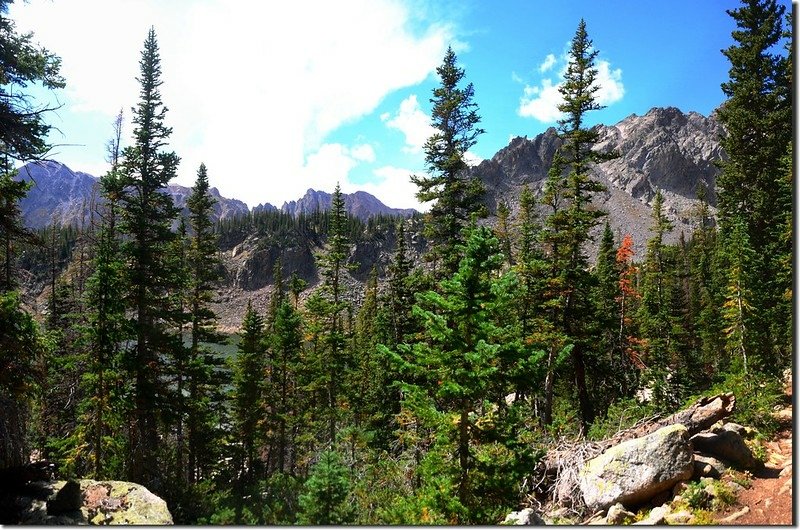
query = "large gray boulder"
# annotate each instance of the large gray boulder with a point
(726, 444)
(634, 471)
(91, 502)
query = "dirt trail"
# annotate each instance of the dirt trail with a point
(769, 499)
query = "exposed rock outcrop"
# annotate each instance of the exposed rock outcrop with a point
(525, 517)
(359, 204)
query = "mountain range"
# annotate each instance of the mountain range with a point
(62, 196)
(664, 149)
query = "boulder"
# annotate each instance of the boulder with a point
(90, 502)
(683, 517)
(124, 503)
(726, 444)
(657, 516)
(707, 466)
(617, 515)
(635, 471)
(528, 516)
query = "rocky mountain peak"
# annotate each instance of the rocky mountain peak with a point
(664, 149)
(57, 195)
(358, 204)
(63, 196)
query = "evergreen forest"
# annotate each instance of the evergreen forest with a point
(431, 399)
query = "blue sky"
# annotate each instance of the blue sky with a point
(279, 97)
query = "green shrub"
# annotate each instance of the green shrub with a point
(723, 495)
(696, 496)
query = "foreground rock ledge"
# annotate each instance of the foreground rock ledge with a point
(92, 502)
(635, 471)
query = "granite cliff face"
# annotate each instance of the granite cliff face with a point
(664, 149)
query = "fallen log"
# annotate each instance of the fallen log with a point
(698, 417)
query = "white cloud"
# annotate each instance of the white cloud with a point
(253, 88)
(363, 153)
(412, 122)
(610, 82)
(472, 159)
(548, 63)
(541, 102)
(394, 187)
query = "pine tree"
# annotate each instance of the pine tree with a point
(147, 214)
(757, 117)
(569, 191)
(106, 330)
(503, 231)
(401, 296)
(248, 375)
(737, 308)
(286, 343)
(23, 136)
(204, 398)
(607, 289)
(11, 228)
(327, 491)
(655, 312)
(327, 309)
(296, 286)
(22, 348)
(457, 195)
(531, 302)
(452, 370)
(23, 130)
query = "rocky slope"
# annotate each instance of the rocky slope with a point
(664, 149)
(223, 209)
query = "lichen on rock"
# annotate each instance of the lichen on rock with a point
(636, 470)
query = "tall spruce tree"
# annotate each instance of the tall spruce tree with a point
(656, 318)
(205, 408)
(106, 329)
(569, 191)
(401, 297)
(147, 215)
(457, 195)
(329, 358)
(452, 372)
(757, 117)
(248, 375)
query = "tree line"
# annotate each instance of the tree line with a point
(432, 400)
